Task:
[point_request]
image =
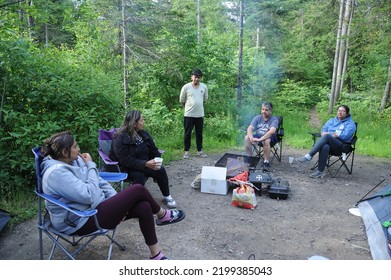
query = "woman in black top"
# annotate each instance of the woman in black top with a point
(135, 150)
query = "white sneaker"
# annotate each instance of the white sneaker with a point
(201, 154)
(186, 155)
(170, 202)
(302, 159)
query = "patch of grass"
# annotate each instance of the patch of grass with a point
(22, 207)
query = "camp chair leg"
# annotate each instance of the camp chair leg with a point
(40, 244)
(275, 152)
(338, 160)
(56, 243)
(343, 163)
(256, 151)
(113, 241)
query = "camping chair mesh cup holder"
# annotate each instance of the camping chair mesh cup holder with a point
(59, 239)
(275, 146)
(346, 159)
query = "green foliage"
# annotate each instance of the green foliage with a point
(75, 82)
(221, 127)
(46, 91)
(295, 95)
(166, 120)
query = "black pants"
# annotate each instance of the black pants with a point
(189, 123)
(160, 176)
(327, 145)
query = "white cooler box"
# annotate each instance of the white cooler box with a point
(213, 180)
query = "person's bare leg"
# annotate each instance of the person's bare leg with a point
(266, 149)
(161, 213)
(247, 145)
(154, 249)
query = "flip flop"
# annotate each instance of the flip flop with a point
(179, 217)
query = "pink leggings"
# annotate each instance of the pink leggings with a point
(134, 201)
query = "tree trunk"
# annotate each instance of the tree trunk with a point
(124, 56)
(30, 22)
(240, 66)
(46, 35)
(199, 21)
(3, 96)
(336, 55)
(345, 33)
(386, 95)
(341, 52)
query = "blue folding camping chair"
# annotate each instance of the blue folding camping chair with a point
(59, 239)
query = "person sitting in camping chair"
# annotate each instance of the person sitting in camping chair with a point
(265, 127)
(73, 178)
(135, 150)
(334, 133)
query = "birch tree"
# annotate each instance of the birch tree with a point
(240, 64)
(386, 95)
(341, 51)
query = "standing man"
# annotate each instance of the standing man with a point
(192, 97)
(262, 131)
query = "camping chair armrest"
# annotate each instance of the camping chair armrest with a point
(113, 176)
(351, 142)
(83, 214)
(315, 135)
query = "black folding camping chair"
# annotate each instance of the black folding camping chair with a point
(276, 145)
(345, 160)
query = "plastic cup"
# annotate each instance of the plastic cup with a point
(291, 159)
(159, 161)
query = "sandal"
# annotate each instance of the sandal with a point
(175, 216)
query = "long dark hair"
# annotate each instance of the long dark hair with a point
(55, 144)
(131, 119)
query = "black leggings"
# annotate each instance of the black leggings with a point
(133, 202)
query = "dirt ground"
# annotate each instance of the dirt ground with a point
(313, 220)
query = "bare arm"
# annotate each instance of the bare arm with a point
(268, 135)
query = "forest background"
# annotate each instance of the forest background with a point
(79, 65)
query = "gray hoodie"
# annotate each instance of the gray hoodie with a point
(77, 184)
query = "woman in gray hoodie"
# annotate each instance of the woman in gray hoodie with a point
(73, 178)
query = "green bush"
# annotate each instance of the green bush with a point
(295, 95)
(46, 92)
